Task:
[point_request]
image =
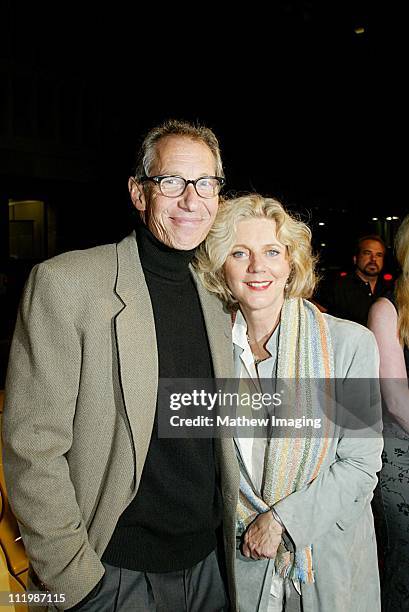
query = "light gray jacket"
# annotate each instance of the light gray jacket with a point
(333, 513)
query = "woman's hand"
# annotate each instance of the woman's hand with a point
(262, 537)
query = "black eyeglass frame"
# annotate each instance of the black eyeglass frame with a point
(157, 180)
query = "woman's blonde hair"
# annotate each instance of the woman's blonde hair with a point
(402, 283)
(291, 232)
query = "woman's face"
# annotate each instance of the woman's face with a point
(257, 268)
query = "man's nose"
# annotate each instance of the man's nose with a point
(189, 199)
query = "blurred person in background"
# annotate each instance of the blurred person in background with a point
(389, 321)
(351, 296)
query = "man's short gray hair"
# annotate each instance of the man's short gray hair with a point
(175, 127)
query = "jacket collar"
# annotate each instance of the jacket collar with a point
(137, 352)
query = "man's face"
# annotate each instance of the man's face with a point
(181, 222)
(369, 260)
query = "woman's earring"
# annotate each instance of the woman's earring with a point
(289, 279)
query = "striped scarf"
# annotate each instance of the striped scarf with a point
(304, 353)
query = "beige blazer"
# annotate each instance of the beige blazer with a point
(79, 409)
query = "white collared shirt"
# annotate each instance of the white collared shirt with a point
(253, 450)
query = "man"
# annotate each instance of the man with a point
(111, 515)
(351, 296)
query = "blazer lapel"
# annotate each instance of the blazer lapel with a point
(137, 349)
(218, 327)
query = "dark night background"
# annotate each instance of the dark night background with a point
(306, 108)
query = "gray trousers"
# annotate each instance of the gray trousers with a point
(197, 589)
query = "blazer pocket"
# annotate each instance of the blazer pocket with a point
(357, 509)
(88, 598)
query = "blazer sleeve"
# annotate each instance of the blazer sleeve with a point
(340, 492)
(40, 398)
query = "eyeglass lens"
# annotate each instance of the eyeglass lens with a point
(206, 187)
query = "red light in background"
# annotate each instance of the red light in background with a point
(343, 273)
(388, 277)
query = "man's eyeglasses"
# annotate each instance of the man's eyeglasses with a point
(174, 186)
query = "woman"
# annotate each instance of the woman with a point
(389, 320)
(315, 550)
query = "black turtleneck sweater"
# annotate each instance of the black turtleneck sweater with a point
(170, 524)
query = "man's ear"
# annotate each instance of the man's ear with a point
(354, 260)
(137, 194)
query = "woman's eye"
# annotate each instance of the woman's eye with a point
(239, 254)
(273, 252)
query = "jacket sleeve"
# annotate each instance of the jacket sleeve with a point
(40, 399)
(341, 491)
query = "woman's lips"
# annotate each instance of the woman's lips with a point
(258, 285)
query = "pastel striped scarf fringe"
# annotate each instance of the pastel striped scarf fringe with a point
(304, 353)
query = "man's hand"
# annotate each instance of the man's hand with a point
(262, 537)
